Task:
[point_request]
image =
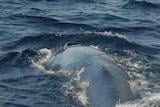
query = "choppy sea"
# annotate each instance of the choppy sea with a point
(32, 30)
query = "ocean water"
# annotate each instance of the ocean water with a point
(31, 31)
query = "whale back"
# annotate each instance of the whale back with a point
(107, 82)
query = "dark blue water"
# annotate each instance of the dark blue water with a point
(128, 30)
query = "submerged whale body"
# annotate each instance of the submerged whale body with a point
(108, 84)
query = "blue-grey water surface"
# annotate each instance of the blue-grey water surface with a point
(129, 30)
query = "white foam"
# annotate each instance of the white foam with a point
(74, 87)
(137, 67)
(107, 33)
(152, 100)
(45, 55)
(77, 88)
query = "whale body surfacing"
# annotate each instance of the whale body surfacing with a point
(107, 82)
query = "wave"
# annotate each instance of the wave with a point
(41, 89)
(109, 16)
(25, 57)
(100, 39)
(45, 21)
(28, 49)
(117, 29)
(141, 28)
(32, 18)
(80, 1)
(142, 3)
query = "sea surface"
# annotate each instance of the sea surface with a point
(32, 30)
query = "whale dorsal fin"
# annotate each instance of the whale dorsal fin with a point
(69, 44)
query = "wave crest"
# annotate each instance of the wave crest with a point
(103, 40)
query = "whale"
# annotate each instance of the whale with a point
(107, 82)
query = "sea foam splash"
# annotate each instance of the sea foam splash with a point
(75, 88)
